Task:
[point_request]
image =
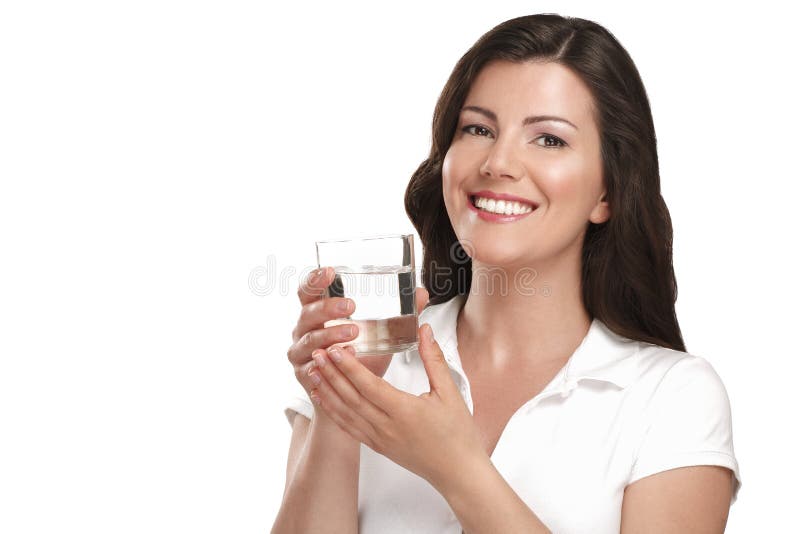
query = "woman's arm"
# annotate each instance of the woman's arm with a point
(483, 502)
(691, 499)
(322, 493)
(410, 429)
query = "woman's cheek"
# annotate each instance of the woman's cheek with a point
(457, 162)
(561, 181)
(447, 166)
(458, 172)
(453, 171)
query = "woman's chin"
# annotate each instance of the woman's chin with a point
(493, 247)
(493, 257)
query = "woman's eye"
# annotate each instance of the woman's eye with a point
(550, 141)
(474, 129)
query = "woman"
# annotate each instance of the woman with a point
(557, 395)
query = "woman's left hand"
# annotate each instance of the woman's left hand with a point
(432, 435)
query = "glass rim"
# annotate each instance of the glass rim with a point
(368, 238)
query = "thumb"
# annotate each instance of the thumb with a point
(435, 365)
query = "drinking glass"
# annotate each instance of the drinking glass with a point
(378, 274)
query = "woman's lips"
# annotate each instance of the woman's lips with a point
(501, 196)
(495, 217)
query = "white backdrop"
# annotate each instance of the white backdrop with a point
(166, 167)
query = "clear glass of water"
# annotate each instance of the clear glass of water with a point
(378, 274)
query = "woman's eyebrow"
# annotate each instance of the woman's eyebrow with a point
(528, 120)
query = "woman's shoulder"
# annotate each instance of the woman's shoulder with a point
(684, 412)
(663, 368)
(661, 376)
(680, 391)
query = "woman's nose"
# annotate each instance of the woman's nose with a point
(502, 161)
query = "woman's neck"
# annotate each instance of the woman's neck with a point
(533, 321)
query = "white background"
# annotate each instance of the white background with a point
(155, 154)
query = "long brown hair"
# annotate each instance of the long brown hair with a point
(628, 281)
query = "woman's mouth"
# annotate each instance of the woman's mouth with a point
(498, 210)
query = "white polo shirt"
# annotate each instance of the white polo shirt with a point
(619, 410)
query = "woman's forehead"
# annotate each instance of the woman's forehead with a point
(532, 88)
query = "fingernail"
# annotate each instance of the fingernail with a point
(315, 276)
(427, 332)
(315, 378)
(347, 332)
(336, 354)
(318, 359)
(315, 397)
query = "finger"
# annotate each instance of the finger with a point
(436, 367)
(303, 374)
(300, 351)
(350, 395)
(325, 397)
(336, 405)
(313, 287)
(314, 315)
(374, 390)
(422, 299)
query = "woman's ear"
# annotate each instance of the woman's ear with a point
(601, 212)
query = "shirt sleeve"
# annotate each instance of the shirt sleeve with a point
(297, 402)
(689, 423)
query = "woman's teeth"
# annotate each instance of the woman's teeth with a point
(501, 207)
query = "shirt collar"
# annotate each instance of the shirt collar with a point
(602, 355)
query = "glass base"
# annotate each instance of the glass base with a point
(362, 349)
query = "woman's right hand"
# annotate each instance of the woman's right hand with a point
(310, 333)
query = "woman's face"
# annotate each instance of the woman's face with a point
(508, 140)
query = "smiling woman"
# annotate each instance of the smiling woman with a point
(550, 158)
(568, 407)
